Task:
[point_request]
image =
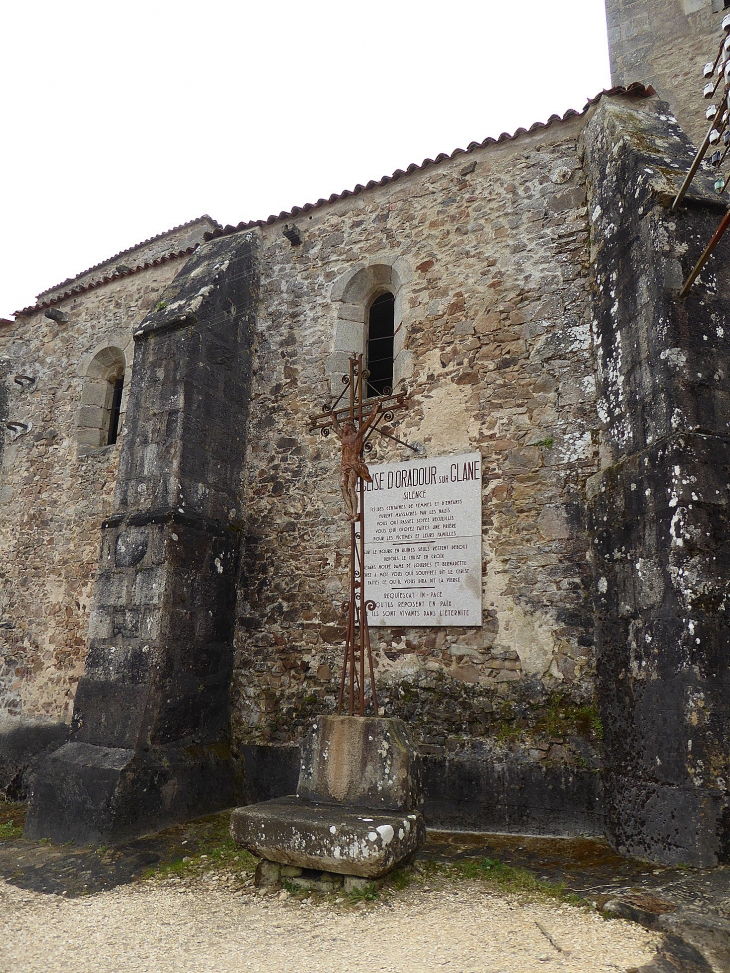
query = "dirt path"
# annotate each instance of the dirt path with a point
(194, 927)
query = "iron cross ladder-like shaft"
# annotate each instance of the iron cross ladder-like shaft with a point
(357, 642)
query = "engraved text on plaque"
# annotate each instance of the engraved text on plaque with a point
(423, 542)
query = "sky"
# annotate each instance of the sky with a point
(119, 121)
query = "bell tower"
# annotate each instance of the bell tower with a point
(665, 43)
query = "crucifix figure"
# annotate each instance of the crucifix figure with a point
(352, 466)
(353, 426)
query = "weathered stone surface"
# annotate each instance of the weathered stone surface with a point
(151, 714)
(5, 365)
(471, 790)
(23, 743)
(331, 838)
(269, 771)
(468, 791)
(659, 512)
(54, 494)
(366, 761)
(353, 770)
(268, 873)
(95, 794)
(354, 884)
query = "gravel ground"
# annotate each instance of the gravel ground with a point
(176, 925)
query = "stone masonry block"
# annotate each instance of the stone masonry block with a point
(90, 417)
(88, 438)
(355, 812)
(149, 586)
(364, 761)
(100, 623)
(351, 312)
(346, 841)
(95, 394)
(350, 336)
(337, 365)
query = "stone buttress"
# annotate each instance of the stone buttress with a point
(149, 740)
(659, 510)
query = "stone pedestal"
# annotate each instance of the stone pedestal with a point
(356, 810)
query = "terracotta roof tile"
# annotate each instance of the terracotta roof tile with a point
(635, 90)
(123, 253)
(117, 275)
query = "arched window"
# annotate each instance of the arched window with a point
(101, 400)
(372, 319)
(379, 347)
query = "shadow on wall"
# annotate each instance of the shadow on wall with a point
(23, 743)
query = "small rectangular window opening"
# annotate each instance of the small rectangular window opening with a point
(380, 344)
(115, 410)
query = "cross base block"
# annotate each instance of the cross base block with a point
(344, 840)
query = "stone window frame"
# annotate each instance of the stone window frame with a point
(98, 370)
(351, 295)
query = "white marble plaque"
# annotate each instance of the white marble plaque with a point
(423, 542)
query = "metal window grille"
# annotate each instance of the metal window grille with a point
(380, 345)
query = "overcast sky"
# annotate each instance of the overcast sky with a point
(121, 120)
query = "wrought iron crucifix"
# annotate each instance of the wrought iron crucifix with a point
(354, 424)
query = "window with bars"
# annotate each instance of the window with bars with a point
(379, 345)
(371, 321)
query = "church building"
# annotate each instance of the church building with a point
(173, 542)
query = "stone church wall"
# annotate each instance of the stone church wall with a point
(55, 489)
(490, 252)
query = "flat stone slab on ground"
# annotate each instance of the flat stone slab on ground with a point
(332, 838)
